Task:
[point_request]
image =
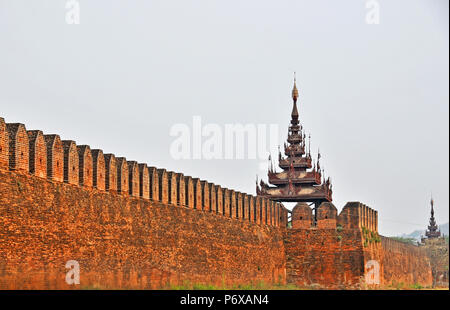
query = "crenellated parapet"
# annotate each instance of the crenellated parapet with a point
(55, 158)
(85, 165)
(173, 188)
(49, 157)
(4, 145)
(110, 173)
(18, 147)
(98, 170)
(144, 181)
(354, 215)
(71, 162)
(37, 153)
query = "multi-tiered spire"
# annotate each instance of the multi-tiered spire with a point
(301, 180)
(433, 230)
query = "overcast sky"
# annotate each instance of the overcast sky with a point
(375, 98)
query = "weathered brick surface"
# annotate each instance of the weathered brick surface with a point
(85, 166)
(173, 194)
(404, 263)
(302, 216)
(219, 199)
(239, 206)
(163, 185)
(275, 214)
(37, 153)
(190, 196)
(212, 195)
(71, 162)
(326, 216)
(4, 145)
(154, 183)
(18, 147)
(133, 178)
(126, 240)
(55, 158)
(144, 182)
(197, 194)
(337, 259)
(317, 256)
(252, 210)
(246, 207)
(205, 196)
(181, 190)
(110, 172)
(258, 212)
(232, 204)
(123, 178)
(122, 241)
(226, 202)
(356, 215)
(98, 172)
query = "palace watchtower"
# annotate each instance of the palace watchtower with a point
(301, 180)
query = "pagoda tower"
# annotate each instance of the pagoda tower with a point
(301, 180)
(433, 230)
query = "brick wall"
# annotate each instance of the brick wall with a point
(37, 153)
(163, 186)
(98, 173)
(154, 181)
(133, 178)
(85, 165)
(197, 193)
(71, 162)
(4, 145)
(190, 197)
(181, 190)
(110, 173)
(124, 208)
(404, 263)
(18, 147)
(123, 178)
(55, 158)
(122, 241)
(144, 181)
(173, 188)
(320, 256)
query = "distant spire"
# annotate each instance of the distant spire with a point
(294, 113)
(432, 207)
(295, 90)
(433, 229)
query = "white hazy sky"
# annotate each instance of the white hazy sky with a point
(374, 97)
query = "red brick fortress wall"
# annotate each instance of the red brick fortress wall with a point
(324, 257)
(132, 225)
(405, 263)
(124, 242)
(346, 251)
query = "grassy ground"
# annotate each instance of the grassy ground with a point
(264, 286)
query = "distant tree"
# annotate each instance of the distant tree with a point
(405, 240)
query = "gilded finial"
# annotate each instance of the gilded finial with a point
(295, 90)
